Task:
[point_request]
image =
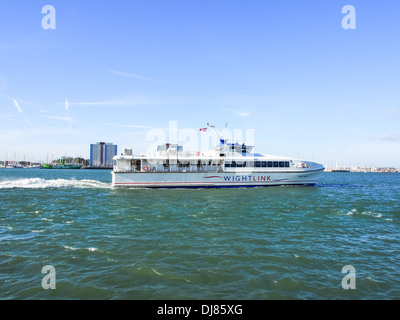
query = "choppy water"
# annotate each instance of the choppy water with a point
(257, 243)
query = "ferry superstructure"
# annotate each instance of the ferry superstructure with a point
(227, 165)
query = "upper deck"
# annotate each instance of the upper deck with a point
(223, 158)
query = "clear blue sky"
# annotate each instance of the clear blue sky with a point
(113, 70)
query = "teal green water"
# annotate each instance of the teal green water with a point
(257, 243)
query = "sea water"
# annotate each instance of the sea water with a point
(257, 243)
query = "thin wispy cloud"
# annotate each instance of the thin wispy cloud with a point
(19, 110)
(388, 137)
(236, 112)
(131, 75)
(60, 118)
(29, 123)
(391, 111)
(126, 125)
(16, 104)
(101, 103)
(10, 135)
(128, 102)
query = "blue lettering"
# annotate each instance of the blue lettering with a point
(227, 178)
(237, 178)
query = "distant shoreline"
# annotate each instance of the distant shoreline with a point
(41, 167)
(363, 170)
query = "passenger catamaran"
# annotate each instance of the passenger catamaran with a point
(227, 165)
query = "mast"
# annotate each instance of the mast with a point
(221, 140)
(216, 131)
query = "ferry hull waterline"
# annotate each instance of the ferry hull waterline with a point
(215, 180)
(228, 165)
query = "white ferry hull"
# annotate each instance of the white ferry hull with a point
(213, 180)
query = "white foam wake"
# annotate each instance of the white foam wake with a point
(365, 213)
(38, 183)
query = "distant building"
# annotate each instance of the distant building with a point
(102, 153)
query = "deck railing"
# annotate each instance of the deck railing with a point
(174, 169)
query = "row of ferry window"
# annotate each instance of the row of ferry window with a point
(258, 164)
